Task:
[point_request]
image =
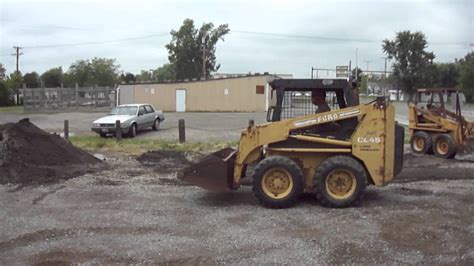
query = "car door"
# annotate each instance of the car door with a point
(141, 119)
(150, 115)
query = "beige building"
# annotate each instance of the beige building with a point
(249, 93)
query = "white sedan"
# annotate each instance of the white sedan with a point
(132, 117)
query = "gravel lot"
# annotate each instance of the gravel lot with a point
(137, 214)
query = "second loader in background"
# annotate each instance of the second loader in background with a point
(332, 151)
(435, 129)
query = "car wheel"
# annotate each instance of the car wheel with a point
(132, 131)
(103, 135)
(156, 124)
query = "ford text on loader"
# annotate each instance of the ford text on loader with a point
(332, 152)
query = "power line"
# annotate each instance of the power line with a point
(315, 37)
(327, 38)
(98, 42)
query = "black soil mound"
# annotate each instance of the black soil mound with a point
(29, 155)
(166, 161)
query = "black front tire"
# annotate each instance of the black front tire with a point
(156, 125)
(280, 163)
(327, 172)
(103, 135)
(132, 131)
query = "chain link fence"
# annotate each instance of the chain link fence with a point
(76, 98)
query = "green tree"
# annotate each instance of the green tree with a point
(161, 74)
(98, 71)
(128, 78)
(411, 59)
(359, 74)
(3, 72)
(190, 47)
(145, 75)
(6, 98)
(80, 72)
(13, 84)
(32, 80)
(53, 77)
(164, 72)
(105, 71)
(466, 79)
(441, 75)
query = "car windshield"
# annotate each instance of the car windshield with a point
(124, 110)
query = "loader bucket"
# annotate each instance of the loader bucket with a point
(215, 172)
(465, 151)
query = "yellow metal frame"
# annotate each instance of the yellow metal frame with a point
(372, 142)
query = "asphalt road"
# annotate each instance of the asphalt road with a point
(200, 126)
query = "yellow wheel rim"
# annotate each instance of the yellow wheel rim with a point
(341, 184)
(277, 183)
(442, 146)
(419, 144)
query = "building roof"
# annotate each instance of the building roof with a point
(202, 80)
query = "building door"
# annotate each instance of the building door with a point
(180, 100)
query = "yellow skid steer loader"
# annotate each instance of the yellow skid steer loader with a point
(334, 154)
(435, 129)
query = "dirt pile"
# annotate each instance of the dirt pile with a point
(29, 155)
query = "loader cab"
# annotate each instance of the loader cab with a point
(444, 102)
(293, 97)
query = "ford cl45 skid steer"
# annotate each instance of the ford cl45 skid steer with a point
(334, 154)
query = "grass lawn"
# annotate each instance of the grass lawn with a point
(138, 146)
(12, 110)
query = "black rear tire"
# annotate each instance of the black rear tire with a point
(340, 181)
(277, 182)
(421, 143)
(444, 146)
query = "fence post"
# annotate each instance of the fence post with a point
(76, 88)
(66, 129)
(182, 131)
(118, 130)
(24, 96)
(42, 95)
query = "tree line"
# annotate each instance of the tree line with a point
(191, 55)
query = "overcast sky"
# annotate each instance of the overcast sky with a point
(275, 36)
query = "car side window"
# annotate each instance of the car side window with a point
(149, 109)
(141, 111)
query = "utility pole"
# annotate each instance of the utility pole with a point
(385, 68)
(368, 62)
(357, 63)
(17, 54)
(203, 43)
